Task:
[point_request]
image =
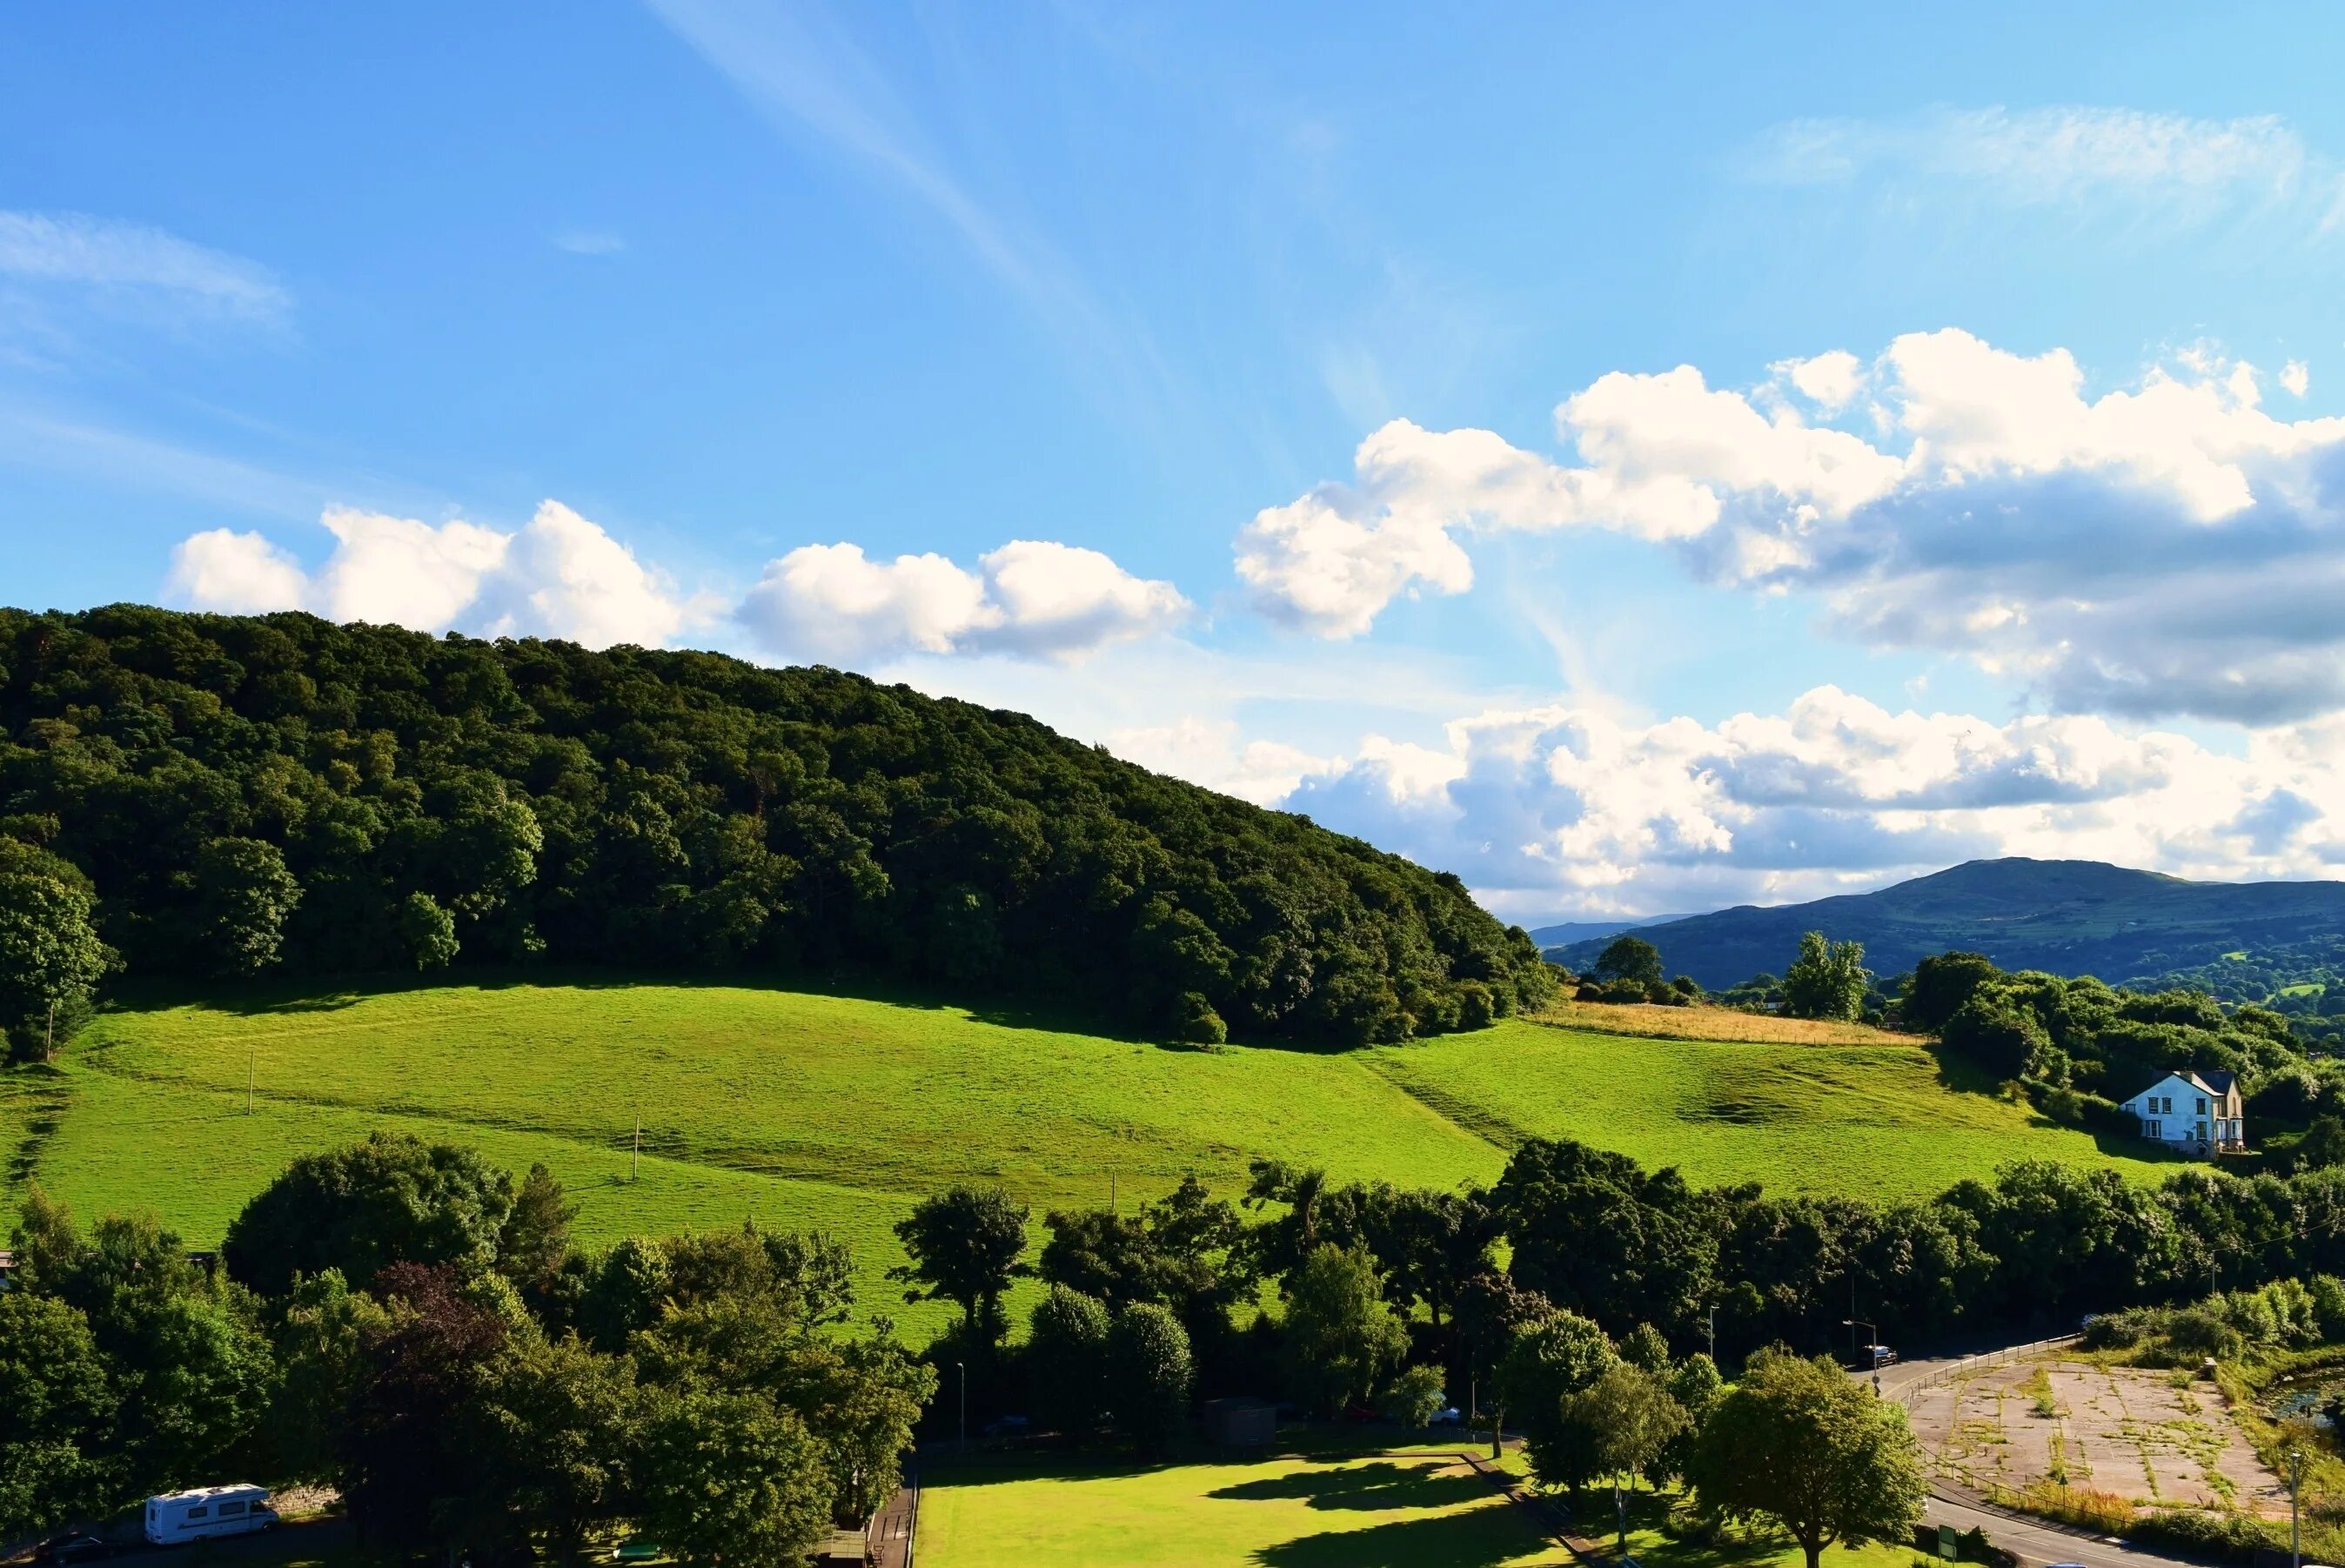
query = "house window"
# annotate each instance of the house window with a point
(2152, 1130)
(2201, 1107)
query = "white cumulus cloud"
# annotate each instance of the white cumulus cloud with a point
(2163, 547)
(558, 575)
(1036, 599)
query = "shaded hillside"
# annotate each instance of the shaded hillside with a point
(277, 794)
(2069, 917)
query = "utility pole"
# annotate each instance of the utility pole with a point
(963, 1366)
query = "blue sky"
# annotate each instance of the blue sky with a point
(1289, 398)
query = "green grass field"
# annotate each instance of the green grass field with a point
(1415, 1506)
(807, 1110)
(1287, 1511)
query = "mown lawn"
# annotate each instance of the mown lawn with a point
(1408, 1506)
(802, 1109)
(1289, 1511)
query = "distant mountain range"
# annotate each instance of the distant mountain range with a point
(1564, 932)
(2070, 917)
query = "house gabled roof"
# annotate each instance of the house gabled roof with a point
(2212, 1083)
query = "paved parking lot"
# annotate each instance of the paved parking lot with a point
(2143, 1434)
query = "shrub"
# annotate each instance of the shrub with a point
(1997, 1033)
(1195, 1021)
(2232, 1536)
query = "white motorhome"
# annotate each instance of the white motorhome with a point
(208, 1511)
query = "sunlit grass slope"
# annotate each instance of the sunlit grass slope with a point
(812, 1110)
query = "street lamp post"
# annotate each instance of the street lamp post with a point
(963, 1367)
(2295, 1480)
(1853, 1325)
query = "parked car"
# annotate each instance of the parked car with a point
(1877, 1357)
(77, 1546)
(1006, 1427)
(1360, 1413)
(1446, 1416)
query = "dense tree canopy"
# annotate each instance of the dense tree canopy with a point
(281, 795)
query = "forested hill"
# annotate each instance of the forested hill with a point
(2067, 917)
(236, 795)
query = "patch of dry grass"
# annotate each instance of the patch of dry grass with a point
(1720, 1023)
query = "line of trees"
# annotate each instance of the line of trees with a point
(483, 1386)
(1372, 1282)
(197, 797)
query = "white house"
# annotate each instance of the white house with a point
(2193, 1113)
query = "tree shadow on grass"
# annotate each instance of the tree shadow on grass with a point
(1481, 1538)
(1376, 1487)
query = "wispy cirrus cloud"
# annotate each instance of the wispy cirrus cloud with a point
(77, 249)
(803, 70)
(2177, 167)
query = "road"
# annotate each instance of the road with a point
(2036, 1543)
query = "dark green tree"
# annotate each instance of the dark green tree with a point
(1999, 1034)
(1827, 980)
(1629, 957)
(1067, 1360)
(1941, 985)
(1339, 1335)
(244, 896)
(51, 958)
(1802, 1444)
(730, 1478)
(1549, 1360)
(1149, 1376)
(58, 1406)
(1625, 1422)
(535, 1235)
(390, 1198)
(965, 1246)
(558, 1424)
(321, 1339)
